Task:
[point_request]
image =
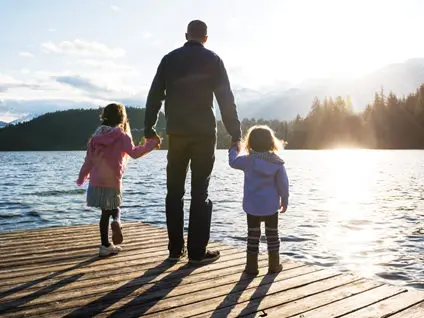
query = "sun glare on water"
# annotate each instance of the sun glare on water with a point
(350, 230)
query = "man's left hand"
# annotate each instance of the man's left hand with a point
(236, 144)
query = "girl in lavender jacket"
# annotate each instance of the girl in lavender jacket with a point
(266, 192)
(105, 162)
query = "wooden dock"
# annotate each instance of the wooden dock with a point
(56, 272)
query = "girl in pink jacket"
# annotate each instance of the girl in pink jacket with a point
(105, 163)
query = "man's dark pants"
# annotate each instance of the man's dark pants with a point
(199, 152)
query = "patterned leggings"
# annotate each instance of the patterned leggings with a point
(104, 224)
(254, 233)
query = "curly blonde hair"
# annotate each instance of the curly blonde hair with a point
(261, 138)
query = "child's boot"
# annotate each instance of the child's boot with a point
(274, 265)
(251, 264)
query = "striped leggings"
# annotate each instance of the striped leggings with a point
(254, 233)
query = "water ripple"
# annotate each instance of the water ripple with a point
(54, 193)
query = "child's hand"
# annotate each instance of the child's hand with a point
(154, 141)
(157, 139)
(283, 209)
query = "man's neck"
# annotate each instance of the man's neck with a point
(196, 41)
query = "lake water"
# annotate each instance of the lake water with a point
(357, 210)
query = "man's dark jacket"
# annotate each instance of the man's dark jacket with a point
(186, 79)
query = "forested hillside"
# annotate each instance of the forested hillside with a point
(64, 130)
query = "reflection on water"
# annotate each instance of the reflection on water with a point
(358, 210)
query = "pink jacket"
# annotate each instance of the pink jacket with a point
(104, 161)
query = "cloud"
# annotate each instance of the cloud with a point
(81, 83)
(106, 66)
(52, 30)
(7, 83)
(26, 54)
(115, 8)
(11, 109)
(43, 91)
(5, 87)
(82, 48)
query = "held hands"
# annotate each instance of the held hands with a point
(157, 139)
(236, 144)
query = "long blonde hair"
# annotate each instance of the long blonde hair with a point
(261, 138)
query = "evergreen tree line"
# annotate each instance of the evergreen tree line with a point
(390, 122)
(65, 130)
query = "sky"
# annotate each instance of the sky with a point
(57, 55)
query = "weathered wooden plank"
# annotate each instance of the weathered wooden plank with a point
(143, 278)
(416, 311)
(319, 294)
(96, 301)
(55, 240)
(30, 269)
(243, 302)
(350, 304)
(12, 264)
(201, 301)
(143, 275)
(66, 230)
(153, 267)
(390, 306)
(80, 245)
(94, 263)
(172, 288)
(41, 276)
(296, 301)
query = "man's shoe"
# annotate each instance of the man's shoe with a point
(209, 257)
(175, 257)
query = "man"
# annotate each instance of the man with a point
(186, 79)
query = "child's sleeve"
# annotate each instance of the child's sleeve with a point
(283, 185)
(86, 167)
(235, 161)
(139, 151)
